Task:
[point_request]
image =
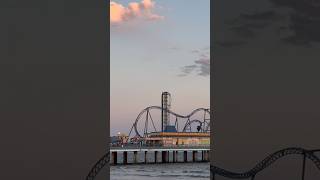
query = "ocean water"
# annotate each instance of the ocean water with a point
(170, 171)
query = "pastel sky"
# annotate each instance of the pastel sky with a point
(156, 46)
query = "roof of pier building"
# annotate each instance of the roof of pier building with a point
(179, 134)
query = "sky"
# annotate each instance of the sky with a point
(156, 46)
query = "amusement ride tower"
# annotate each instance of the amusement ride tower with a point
(165, 105)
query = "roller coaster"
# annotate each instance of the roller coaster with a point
(145, 124)
(265, 163)
(204, 126)
(197, 121)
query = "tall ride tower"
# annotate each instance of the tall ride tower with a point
(166, 105)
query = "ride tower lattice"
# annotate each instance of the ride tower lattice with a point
(165, 105)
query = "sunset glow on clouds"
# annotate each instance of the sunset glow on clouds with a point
(135, 10)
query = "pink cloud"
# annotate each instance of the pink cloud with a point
(147, 4)
(143, 10)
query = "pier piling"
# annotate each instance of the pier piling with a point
(202, 156)
(164, 156)
(125, 157)
(114, 157)
(207, 156)
(185, 156)
(145, 157)
(194, 156)
(135, 158)
(177, 156)
(174, 156)
(155, 156)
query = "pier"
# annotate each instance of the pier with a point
(166, 137)
(147, 155)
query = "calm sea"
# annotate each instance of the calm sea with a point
(187, 171)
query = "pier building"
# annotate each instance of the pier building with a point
(178, 139)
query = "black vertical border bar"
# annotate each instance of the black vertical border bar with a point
(212, 75)
(108, 81)
(54, 100)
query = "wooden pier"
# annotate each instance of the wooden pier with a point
(147, 155)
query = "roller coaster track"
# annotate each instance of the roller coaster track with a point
(265, 163)
(170, 112)
(104, 160)
(306, 154)
(175, 114)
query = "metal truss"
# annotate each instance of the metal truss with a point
(145, 115)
